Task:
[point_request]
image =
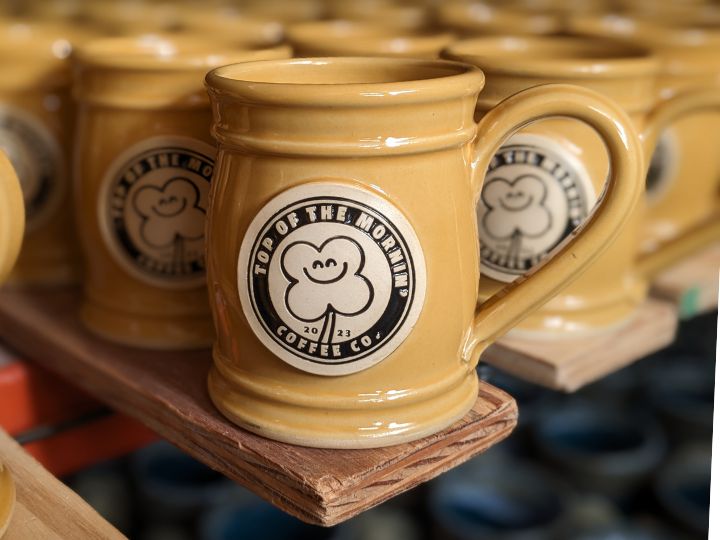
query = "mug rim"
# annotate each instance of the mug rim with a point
(51, 40)
(583, 56)
(478, 16)
(660, 34)
(145, 52)
(452, 80)
(350, 38)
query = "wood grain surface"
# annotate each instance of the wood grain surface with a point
(167, 392)
(45, 508)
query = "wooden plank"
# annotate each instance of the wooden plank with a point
(692, 285)
(569, 364)
(45, 508)
(167, 392)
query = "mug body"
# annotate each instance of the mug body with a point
(144, 160)
(36, 131)
(682, 182)
(342, 254)
(12, 222)
(545, 180)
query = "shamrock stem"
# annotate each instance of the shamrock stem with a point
(328, 328)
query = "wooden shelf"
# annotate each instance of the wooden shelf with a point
(692, 285)
(569, 364)
(44, 507)
(166, 391)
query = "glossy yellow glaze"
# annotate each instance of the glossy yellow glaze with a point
(352, 38)
(404, 131)
(226, 22)
(480, 18)
(130, 90)
(38, 123)
(7, 498)
(610, 291)
(12, 217)
(689, 50)
(406, 16)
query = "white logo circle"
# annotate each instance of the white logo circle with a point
(331, 277)
(534, 195)
(153, 205)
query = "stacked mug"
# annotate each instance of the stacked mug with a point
(352, 227)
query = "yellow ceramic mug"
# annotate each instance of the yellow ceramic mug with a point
(7, 498)
(351, 38)
(684, 178)
(476, 18)
(37, 118)
(144, 159)
(12, 217)
(342, 247)
(565, 165)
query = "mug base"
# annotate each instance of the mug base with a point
(553, 322)
(356, 425)
(148, 332)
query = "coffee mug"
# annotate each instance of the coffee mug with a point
(400, 15)
(284, 11)
(475, 18)
(144, 159)
(130, 18)
(227, 22)
(353, 38)
(12, 217)
(683, 206)
(7, 498)
(560, 166)
(36, 131)
(342, 247)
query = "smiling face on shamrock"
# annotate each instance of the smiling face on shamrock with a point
(516, 207)
(170, 212)
(327, 271)
(514, 196)
(169, 205)
(325, 278)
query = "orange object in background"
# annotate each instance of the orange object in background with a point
(75, 449)
(31, 396)
(62, 427)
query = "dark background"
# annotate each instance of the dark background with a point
(627, 458)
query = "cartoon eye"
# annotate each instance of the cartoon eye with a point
(317, 264)
(330, 262)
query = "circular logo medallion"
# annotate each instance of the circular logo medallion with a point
(535, 193)
(331, 277)
(152, 210)
(38, 162)
(663, 166)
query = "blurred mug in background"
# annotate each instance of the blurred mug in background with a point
(144, 159)
(544, 182)
(683, 183)
(37, 117)
(352, 38)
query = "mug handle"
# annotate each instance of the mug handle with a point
(664, 114)
(12, 216)
(512, 303)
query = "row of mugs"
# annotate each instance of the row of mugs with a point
(463, 16)
(339, 232)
